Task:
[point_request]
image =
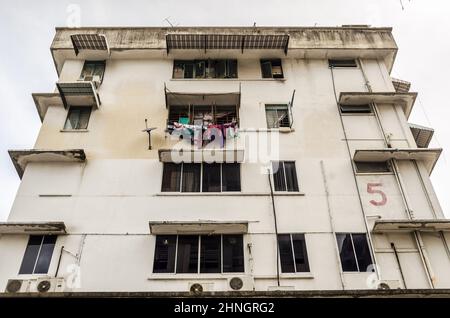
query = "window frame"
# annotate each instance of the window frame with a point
(202, 164)
(199, 255)
(291, 240)
(358, 172)
(79, 108)
(96, 64)
(38, 255)
(207, 67)
(190, 111)
(356, 113)
(353, 250)
(284, 174)
(276, 107)
(343, 63)
(271, 61)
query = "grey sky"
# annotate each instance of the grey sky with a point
(27, 28)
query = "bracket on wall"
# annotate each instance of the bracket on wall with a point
(149, 130)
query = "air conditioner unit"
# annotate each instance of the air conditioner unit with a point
(48, 285)
(200, 287)
(18, 285)
(242, 283)
(389, 284)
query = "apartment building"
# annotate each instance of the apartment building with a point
(225, 159)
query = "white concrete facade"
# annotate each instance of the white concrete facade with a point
(107, 202)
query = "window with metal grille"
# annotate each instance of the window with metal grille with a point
(355, 109)
(201, 177)
(271, 68)
(199, 254)
(203, 115)
(93, 71)
(354, 252)
(342, 63)
(372, 167)
(78, 117)
(38, 254)
(205, 69)
(277, 116)
(284, 176)
(293, 254)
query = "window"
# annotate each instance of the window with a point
(342, 63)
(284, 176)
(215, 177)
(271, 68)
(354, 252)
(199, 254)
(203, 114)
(205, 69)
(38, 254)
(372, 167)
(293, 254)
(355, 109)
(277, 116)
(93, 71)
(78, 117)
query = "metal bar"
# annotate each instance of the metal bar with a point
(276, 226)
(399, 264)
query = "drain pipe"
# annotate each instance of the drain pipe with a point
(276, 226)
(399, 264)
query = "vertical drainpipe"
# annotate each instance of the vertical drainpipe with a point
(275, 226)
(417, 235)
(366, 224)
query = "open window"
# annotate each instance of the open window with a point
(293, 253)
(354, 252)
(343, 63)
(93, 71)
(277, 116)
(372, 167)
(271, 68)
(284, 176)
(355, 109)
(78, 118)
(203, 114)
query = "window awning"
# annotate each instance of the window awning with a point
(44, 100)
(433, 225)
(428, 156)
(406, 100)
(198, 227)
(401, 86)
(201, 155)
(422, 135)
(227, 41)
(21, 158)
(95, 42)
(32, 228)
(79, 93)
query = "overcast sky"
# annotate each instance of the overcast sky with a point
(421, 30)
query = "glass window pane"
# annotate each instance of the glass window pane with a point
(231, 177)
(210, 254)
(278, 176)
(266, 69)
(45, 255)
(200, 69)
(165, 247)
(211, 177)
(233, 254)
(232, 69)
(271, 118)
(171, 177)
(188, 70)
(362, 251)
(73, 118)
(291, 176)
(286, 256)
(187, 254)
(85, 114)
(346, 253)
(300, 253)
(31, 254)
(283, 118)
(191, 177)
(220, 68)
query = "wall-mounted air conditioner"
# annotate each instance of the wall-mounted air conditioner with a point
(200, 287)
(241, 283)
(18, 286)
(48, 285)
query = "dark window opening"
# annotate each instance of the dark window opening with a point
(38, 254)
(203, 115)
(78, 117)
(284, 176)
(271, 68)
(342, 63)
(216, 177)
(355, 109)
(372, 167)
(181, 254)
(277, 116)
(205, 69)
(354, 252)
(293, 253)
(93, 71)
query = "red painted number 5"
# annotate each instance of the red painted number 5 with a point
(371, 189)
